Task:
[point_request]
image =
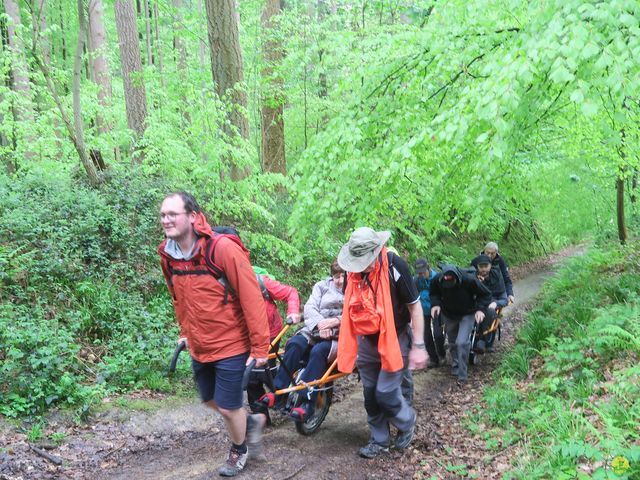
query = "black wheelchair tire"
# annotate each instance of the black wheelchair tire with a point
(323, 403)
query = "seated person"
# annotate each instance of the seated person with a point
(322, 314)
(491, 277)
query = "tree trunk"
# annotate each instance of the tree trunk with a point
(157, 41)
(272, 125)
(226, 67)
(77, 105)
(147, 27)
(134, 91)
(19, 78)
(19, 72)
(99, 66)
(620, 216)
(178, 42)
(5, 82)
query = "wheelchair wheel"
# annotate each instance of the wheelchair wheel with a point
(474, 358)
(323, 402)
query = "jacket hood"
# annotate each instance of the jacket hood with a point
(452, 270)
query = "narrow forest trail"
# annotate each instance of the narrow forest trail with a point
(188, 441)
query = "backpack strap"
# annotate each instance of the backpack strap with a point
(263, 287)
(215, 269)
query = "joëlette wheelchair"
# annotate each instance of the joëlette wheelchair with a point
(295, 395)
(490, 334)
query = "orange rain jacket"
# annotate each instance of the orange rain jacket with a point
(215, 331)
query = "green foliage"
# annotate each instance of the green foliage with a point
(580, 411)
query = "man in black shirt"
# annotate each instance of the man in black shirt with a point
(381, 306)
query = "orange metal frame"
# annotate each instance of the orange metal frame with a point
(329, 376)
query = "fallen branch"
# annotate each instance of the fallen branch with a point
(52, 458)
(289, 477)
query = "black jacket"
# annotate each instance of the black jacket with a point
(468, 295)
(495, 284)
(500, 263)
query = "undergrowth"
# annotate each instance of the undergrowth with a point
(567, 396)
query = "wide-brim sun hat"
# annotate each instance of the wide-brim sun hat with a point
(362, 249)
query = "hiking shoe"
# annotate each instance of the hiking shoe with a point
(403, 439)
(234, 464)
(454, 371)
(255, 425)
(372, 450)
(480, 346)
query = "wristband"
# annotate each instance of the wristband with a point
(420, 346)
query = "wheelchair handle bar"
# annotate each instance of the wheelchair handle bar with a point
(174, 359)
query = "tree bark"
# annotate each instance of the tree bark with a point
(272, 125)
(156, 30)
(77, 104)
(134, 91)
(4, 81)
(99, 65)
(620, 215)
(226, 67)
(147, 27)
(19, 71)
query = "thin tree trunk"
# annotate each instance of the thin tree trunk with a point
(620, 216)
(44, 42)
(147, 27)
(272, 124)
(226, 67)
(134, 91)
(77, 104)
(4, 81)
(99, 65)
(157, 41)
(23, 110)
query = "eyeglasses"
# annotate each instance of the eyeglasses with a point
(171, 216)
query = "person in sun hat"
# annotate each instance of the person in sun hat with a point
(381, 305)
(460, 298)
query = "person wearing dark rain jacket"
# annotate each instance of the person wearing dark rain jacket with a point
(460, 298)
(491, 251)
(491, 277)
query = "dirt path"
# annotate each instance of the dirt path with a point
(188, 442)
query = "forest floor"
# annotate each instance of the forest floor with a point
(182, 439)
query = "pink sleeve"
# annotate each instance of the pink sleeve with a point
(281, 292)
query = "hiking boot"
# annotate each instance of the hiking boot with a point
(454, 371)
(480, 346)
(234, 464)
(255, 425)
(403, 439)
(372, 450)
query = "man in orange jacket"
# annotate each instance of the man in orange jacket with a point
(224, 326)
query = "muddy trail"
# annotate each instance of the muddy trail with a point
(187, 441)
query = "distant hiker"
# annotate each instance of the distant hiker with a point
(317, 341)
(433, 332)
(491, 251)
(460, 298)
(380, 303)
(272, 291)
(220, 312)
(492, 279)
